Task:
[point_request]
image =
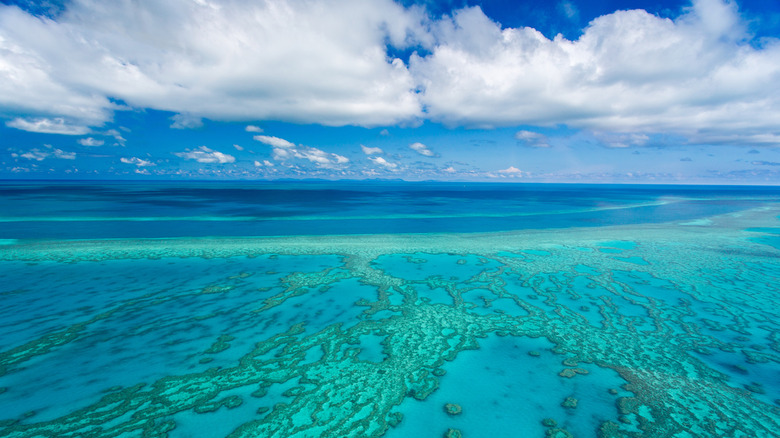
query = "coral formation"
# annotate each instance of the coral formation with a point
(453, 433)
(570, 402)
(453, 408)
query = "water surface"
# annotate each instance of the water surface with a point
(388, 309)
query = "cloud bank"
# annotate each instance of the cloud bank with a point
(629, 72)
(700, 75)
(315, 61)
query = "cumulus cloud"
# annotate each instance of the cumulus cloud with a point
(136, 161)
(533, 139)
(38, 58)
(318, 61)
(44, 125)
(371, 151)
(421, 149)
(89, 141)
(238, 147)
(511, 170)
(284, 150)
(253, 128)
(630, 72)
(382, 162)
(265, 163)
(206, 155)
(274, 141)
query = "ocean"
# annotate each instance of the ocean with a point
(396, 309)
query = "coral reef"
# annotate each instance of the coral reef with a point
(281, 320)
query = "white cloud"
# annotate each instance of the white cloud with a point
(136, 161)
(701, 75)
(318, 61)
(281, 154)
(384, 133)
(36, 58)
(381, 161)
(630, 72)
(44, 125)
(58, 153)
(533, 139)
(319, 157)
(449, 170)
(284, 150)
(253, 128)
(421, 149)
(238, 148)
(274, 141)
(186, 121)
(36, 154)
(511, 170)
(120, 141)
(89, 141)
(265, 163)
(371, 151)
(206, 155)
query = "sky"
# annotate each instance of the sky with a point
(600, 91)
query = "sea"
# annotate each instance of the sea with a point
(388, 308)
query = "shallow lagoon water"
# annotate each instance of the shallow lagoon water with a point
(653, 327)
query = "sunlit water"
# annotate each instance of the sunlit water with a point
(388, 309)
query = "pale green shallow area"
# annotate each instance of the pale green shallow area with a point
(665, 329)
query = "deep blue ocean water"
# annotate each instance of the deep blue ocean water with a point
(307, 309)
(81, 210)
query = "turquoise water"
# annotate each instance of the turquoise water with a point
(571, 320)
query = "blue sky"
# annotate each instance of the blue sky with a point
(570, 91)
